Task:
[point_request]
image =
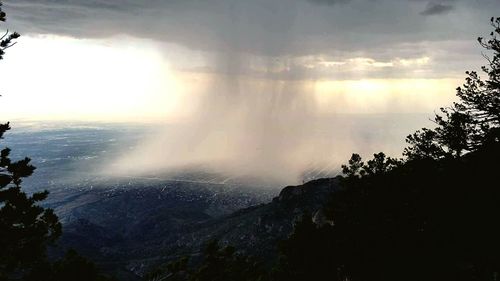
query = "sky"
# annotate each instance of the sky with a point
(151, 55)
(266, 76)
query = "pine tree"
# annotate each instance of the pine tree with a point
(26, 229)
(473, 121)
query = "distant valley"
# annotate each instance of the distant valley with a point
(130, 224)
(126, 220)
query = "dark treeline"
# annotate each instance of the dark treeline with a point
(433, 215)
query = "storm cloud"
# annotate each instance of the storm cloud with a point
(330, 2)
(277, 29)
(436, 9)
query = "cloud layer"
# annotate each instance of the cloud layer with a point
(438, 8)
(269, 28)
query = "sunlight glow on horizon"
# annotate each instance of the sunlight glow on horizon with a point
(128, 79)
(385, 95)
(57, 78)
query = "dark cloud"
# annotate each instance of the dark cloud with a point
(437, 9)
(269, 29)
(329, 2)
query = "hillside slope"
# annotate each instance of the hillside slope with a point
(135, 230)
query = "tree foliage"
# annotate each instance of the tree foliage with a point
(26, 228)
(307, 254)
(218, 264)
(379, 164)
(8, 39)
(474, 120)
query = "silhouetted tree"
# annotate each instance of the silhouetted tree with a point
(177, 270)
(74, 267)
(355, 167)
(471, 122)
(26, 228)
(218, 264)
(308, 254)
(225, 264)
(481, 99)
(379, 164)
(8, 39)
